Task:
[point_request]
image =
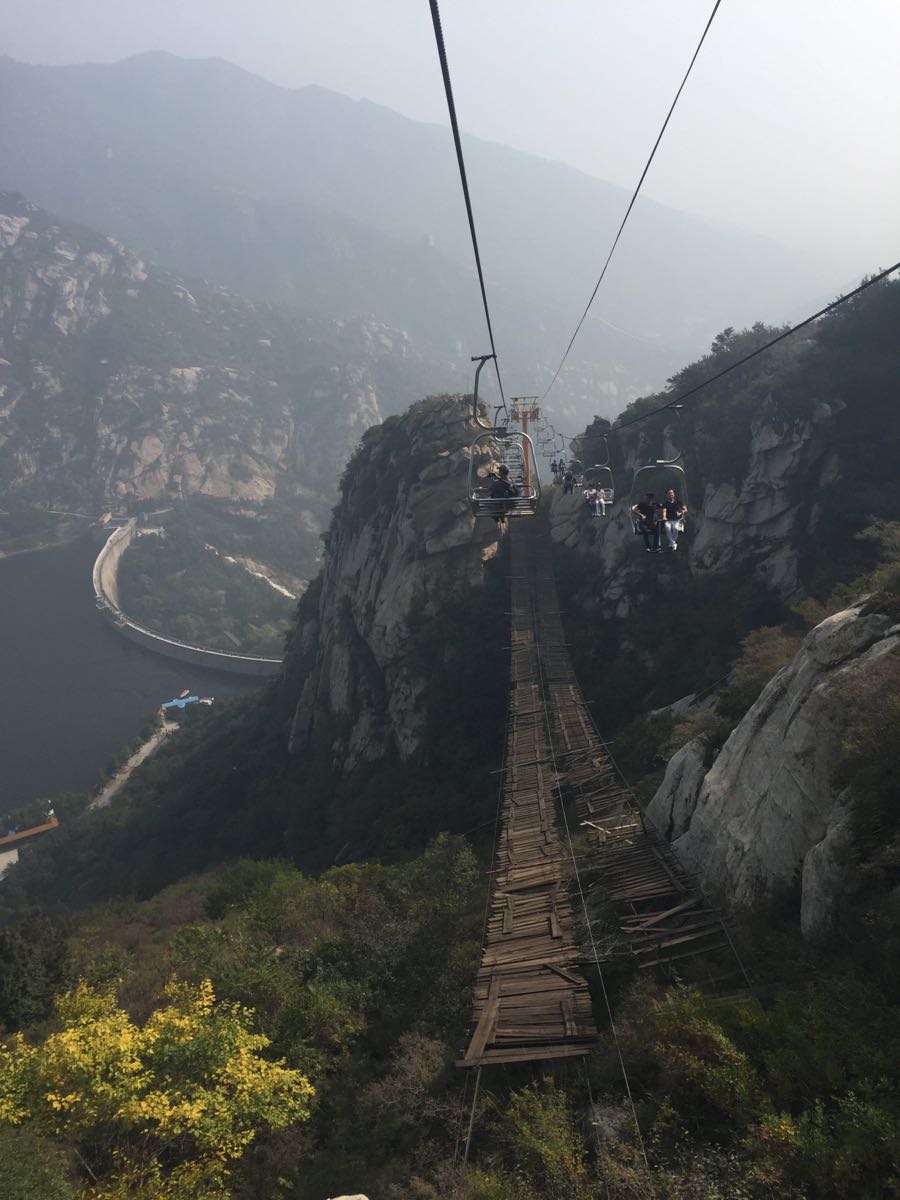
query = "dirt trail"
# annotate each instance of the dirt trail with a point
(122, 775)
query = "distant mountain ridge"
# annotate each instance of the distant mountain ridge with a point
(121, 383)
(309, 198)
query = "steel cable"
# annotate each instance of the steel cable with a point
(545, 698)
(454, 124)
(633, 199)
(682, 396)
(678, 400)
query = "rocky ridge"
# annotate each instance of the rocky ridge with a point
(768, 809)
(757, 518)
(123, 384)
(215, 172)
(402, 544)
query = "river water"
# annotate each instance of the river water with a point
(72, 691)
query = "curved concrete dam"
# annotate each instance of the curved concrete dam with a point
(106, 591)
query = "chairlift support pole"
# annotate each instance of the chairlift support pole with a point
(525, 409)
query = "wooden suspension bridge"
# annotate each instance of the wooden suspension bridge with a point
(532, 1000)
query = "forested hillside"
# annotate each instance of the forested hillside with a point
(368, 767)
(380, 729)
(787, 460)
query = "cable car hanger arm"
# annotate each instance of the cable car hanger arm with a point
(457, 141)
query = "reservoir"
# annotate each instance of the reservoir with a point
(72, 691)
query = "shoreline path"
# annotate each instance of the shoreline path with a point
(121, 776)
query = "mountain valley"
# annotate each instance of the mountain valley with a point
(366, 763)
(547, 861)
(345, 208)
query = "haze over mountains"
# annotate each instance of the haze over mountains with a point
(308, 198)
(121, 385)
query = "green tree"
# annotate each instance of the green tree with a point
(158, 1112)
(33, 968)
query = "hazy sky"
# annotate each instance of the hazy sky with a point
(790, 124)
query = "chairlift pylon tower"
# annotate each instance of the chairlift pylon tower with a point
(524, 409)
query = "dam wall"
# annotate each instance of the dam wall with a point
(106, 591)
(106, 565)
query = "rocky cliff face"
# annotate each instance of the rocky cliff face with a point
(402, 545)
(764, 514)
(784, 461)
(767, 809)
(122, 384)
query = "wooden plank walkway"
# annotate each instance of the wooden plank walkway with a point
(531, 999)
(663, 919)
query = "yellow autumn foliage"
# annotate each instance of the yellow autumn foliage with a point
(170, 1105)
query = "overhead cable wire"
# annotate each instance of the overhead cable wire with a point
(679, 400)
(691, 392)
(633, 199)
(454, 125)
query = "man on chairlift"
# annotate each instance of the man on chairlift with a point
(647, 516)
(673, 518)
(501, 487)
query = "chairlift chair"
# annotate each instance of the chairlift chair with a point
(657, 477)
(601, 478)
(515, 450)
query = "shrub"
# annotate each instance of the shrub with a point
(538, 1128)
(763, 653)
(33, 1168)
(161, 1111)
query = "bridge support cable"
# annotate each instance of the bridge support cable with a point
(531, 999)
(662, 917)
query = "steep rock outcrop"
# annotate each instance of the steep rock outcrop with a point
(403, 543)
(124, 384)
(760, 517)
(767, 808)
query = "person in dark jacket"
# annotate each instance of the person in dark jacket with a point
(647, 514)
(502, 487)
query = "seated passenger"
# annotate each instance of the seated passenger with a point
(502, 487)
(647, 524)
(673, 518)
